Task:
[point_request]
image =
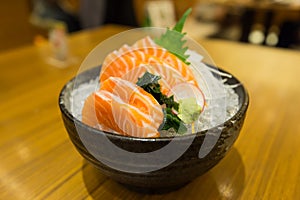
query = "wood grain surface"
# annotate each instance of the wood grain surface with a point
(38, 160)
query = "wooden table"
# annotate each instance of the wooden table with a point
(38, 160)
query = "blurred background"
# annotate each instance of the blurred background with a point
(273, 23)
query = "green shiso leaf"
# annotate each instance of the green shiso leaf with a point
(179, 26)
(173, 40)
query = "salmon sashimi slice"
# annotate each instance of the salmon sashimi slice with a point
(124, 66)
(132, 121)
(169, 76)
(88, 111)
(151, 63)
(119, 67)
(136, 96)
(138, 51)
(111, 56)
(144, 51)
(89, 115)
(139, 71)
(167, 81)
(148, 46)
(125, 108)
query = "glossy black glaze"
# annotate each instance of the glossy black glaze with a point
(175, 175)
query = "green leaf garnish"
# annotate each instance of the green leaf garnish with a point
(179, 26)
(189, 110)
(149, 83)
(173, 40)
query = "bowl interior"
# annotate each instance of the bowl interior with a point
(65, 102)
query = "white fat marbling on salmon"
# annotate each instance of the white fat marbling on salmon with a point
(145, 51)
(131, 120)
(126, 108)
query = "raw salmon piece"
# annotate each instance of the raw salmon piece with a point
(148, 46)
(103, 109)
(125, 108)
(89, 115)
(136, 73)
(118, 67)
(111, 56)
(125, 66)
(169, 76)
(135, 96)
(88, 111)
(143, 50)
(132, 121)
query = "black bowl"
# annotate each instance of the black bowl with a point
(146, 176)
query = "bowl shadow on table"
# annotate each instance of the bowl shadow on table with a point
(224, 181)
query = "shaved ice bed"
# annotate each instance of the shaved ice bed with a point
(219, 108)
